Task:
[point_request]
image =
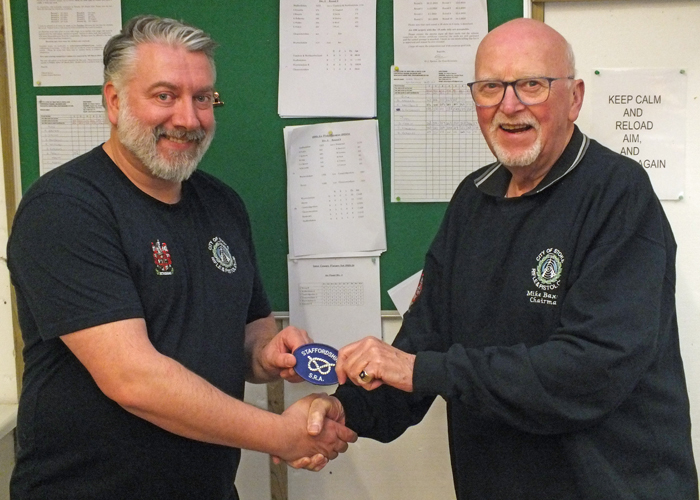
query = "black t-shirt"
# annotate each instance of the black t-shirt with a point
(89, 248)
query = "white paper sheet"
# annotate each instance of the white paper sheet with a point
(402, 294)
(327, 58)
(67, 39)
(334, 189)
(337, 301)
(428, 32)
(640, 113)
(435, 135)
(69, 125)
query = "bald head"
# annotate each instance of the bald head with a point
(531, 39)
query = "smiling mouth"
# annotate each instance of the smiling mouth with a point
(179, 140)
(515, 128)
(180, 136)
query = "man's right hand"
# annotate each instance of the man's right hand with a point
(324, 414)
(326, 436)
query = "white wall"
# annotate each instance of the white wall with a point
(652, 34)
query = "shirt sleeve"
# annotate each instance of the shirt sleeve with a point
(382, 414)
(385, 413)
(65, 259)
(259, 306)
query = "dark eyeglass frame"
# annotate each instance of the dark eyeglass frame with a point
(515, 89)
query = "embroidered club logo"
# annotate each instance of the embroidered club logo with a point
(547, 274)
(316, 363)
(221, 256)
(162, 259)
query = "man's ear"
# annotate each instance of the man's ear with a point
(112, 102)
(576, 100)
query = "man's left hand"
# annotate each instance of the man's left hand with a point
(276, 356)
(370, 363)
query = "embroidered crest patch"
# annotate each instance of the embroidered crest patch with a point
(162, 259)
(546, 276)
(550, 264)
(316, 363)
(221, 256)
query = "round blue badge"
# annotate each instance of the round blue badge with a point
(316, 363)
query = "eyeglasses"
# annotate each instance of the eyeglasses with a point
(529, 91)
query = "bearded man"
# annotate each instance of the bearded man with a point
(140, 302)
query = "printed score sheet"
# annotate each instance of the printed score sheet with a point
(69, 125)
(428, 32)
(67, 39)
(327, 59)
(334, 190)
(435, 135)
(337, 301)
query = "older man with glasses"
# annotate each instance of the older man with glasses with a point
(546, 311)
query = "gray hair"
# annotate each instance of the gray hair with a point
(570, 60)
(120, 51)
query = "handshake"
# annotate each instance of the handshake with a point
(317, 421)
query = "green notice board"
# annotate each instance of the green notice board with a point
(248, 151)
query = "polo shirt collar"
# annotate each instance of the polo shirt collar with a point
(494, 181)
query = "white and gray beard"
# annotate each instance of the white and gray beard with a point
(142, 142)
(510, 159)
